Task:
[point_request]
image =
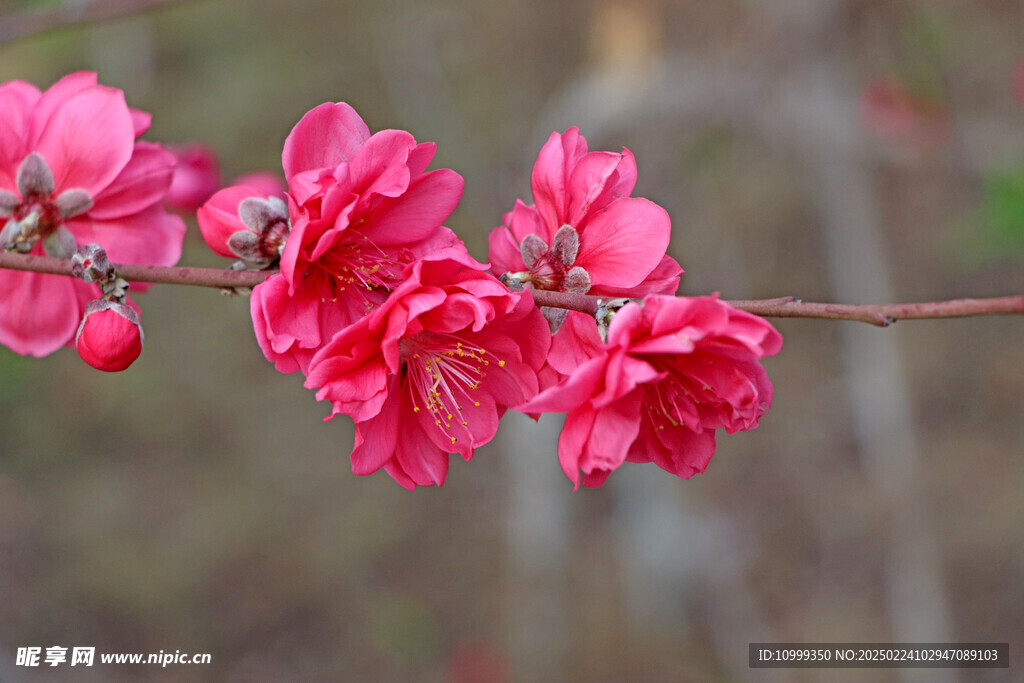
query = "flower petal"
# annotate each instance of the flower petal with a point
(151, 237)
(420, 211)
(141, 184)
(621, 244)
(17, 99)
(38, 313)
(325, 137)
(88, 140)
(549, 180)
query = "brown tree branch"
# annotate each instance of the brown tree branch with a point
(785, 307)
(201, 277)
(790, 307)
(31, 22)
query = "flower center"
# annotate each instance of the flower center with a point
(553, 268)
(671, 401)
(38, 215)
(441, 371)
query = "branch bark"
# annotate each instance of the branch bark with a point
(881, 315)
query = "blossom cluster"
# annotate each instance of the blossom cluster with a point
(388, 317)
(73, 172)
(373, 299)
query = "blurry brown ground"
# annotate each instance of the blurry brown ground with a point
(198, 503)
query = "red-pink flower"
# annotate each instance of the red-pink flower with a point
(362, 207)
(432, 370)
(672, 372)
(72, 172)
(196, 176)
(584, 233)
(244, 223)
(110, 335)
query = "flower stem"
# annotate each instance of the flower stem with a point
(784, 307)
(790, 307)
(201, 277)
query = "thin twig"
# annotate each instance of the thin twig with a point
(201, 277)
(35, 21)
(790, 307)
(784, 307)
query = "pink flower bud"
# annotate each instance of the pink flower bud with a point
(110, 336)
(218, 217)
(196, 177)
(243, 222)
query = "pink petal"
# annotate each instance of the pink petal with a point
(575, 391)
(218, 217)
(481, 424)
(417, 213)
(17, 99)
(196, 176)
(140, 185)
(623, 243)
(573, 440)
(38, 313)
(376, 439)
(664, 279)
(525, 220)
(622, 375)
(422, 461)
(629, 322)
(141, 121)
(577, 342)
(615, 428)
(352, 376)
(681, 451)
(88, 140)
(55, 97)
(503, 252)
(325, 137)
(586, 184)
(549, 180)
(270, 303)
(151, 237)
(420, 157)
(381, 164)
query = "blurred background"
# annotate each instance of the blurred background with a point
(856, 151)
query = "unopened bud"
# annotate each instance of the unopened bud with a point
(110, 336)
(90, 264)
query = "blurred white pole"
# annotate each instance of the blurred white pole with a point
(539, 542)
(876, 378)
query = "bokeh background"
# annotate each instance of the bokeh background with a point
(858, 151)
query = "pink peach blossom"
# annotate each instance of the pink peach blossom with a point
(72, 172)
(585, 233)
(431, 371)
(244, 223)
(671, 373)
(362, 207)
(196, 176)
